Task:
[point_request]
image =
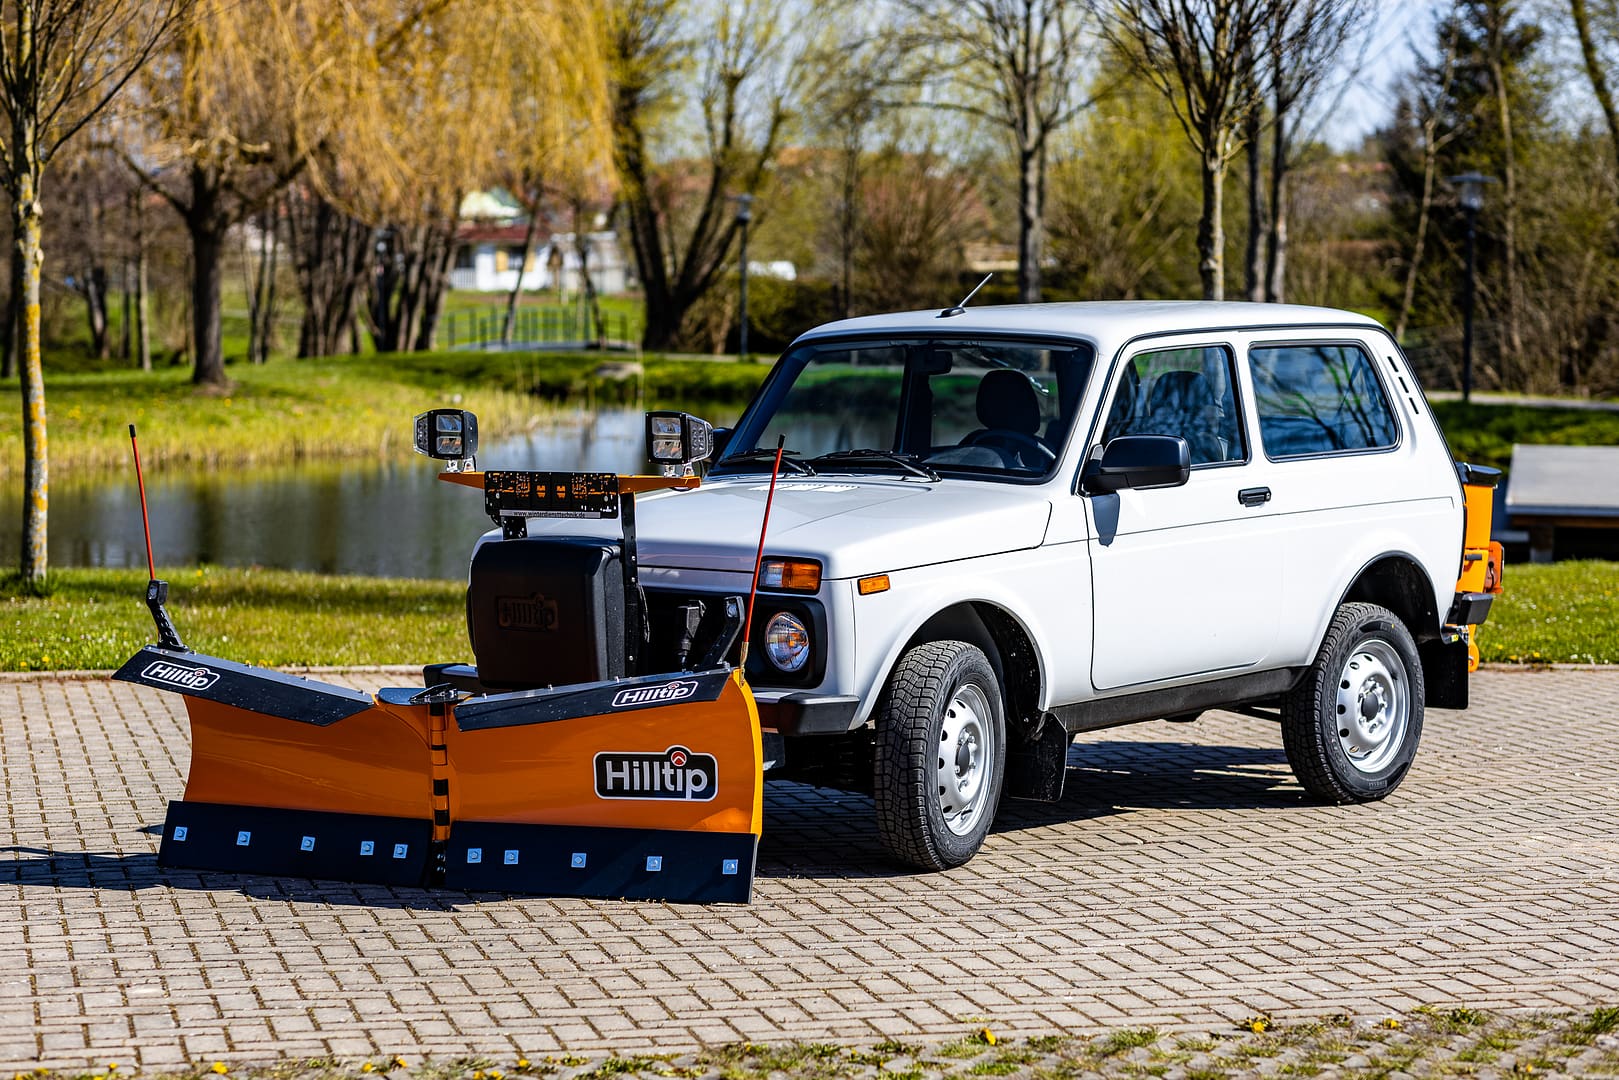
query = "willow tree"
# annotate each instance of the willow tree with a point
(62, 62)
(558, 141)
(223, 107)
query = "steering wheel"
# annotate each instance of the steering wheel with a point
(1015, 443)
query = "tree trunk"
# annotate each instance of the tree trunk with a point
(258, 345)
(1211, 224)
(207, 227)
(437, 259)
(1276, 236)
(1254, 277)
(1593, 71)
(25, 262)
(126, 331)
(8, 334)
(143, 322)
(1031, 218)
(267, 335)
(95, 309)
(1509, 176)
(522, 267)
(593, 308)
(1430, 160)
(331, 253)
(847, 211)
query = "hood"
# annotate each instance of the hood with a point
(854, 525)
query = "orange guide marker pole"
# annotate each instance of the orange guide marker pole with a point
(146, 523)
(759, 557)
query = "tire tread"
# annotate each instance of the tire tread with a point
(902, 790)
(1304, 737)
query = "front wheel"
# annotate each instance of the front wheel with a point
(1352, 724)
(940, 755)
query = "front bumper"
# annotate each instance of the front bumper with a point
(803, 712)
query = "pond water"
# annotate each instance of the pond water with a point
(388, 520)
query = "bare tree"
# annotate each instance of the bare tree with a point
(749, 74)
(1496, 15)
(1428, 116)
(62, 62)
(1596, 63)
(1307, 42)
(1014, 64)
(1195, 52)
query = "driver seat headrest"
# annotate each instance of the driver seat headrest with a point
(1008, 400)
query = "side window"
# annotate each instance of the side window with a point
(1187, 392)
(1319, 399)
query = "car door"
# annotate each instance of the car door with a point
(1187, 580)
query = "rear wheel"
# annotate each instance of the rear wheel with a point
(940, 755)
(1352, 725)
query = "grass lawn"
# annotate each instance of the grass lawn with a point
(1563, 612)
(1432, 1042)
(339, 407)
(98, 619)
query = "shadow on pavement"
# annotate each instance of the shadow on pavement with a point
(822, 832)
(809, 832)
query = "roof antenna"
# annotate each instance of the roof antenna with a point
(961, 308)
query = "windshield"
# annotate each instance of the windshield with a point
(997, 410)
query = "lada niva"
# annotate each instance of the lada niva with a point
(996, 528)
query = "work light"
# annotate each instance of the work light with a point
(677, 439)
(447, 434)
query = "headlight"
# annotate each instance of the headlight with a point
(787, 642)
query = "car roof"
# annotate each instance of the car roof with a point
(1109, 324)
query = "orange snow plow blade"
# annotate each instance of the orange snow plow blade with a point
(645, 788)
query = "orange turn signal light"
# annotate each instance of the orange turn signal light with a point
(875, 584)
(790, 575)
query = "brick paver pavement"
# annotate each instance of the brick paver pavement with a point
(1184, 881)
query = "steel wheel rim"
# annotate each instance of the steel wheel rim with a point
(1373, 706)
(966, 754)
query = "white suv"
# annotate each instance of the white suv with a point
(999, 527)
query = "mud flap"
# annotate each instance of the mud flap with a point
(648, 788)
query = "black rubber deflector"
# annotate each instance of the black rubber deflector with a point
(608, 863)
(296, 843)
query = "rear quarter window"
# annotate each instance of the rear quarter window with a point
(1319, 399)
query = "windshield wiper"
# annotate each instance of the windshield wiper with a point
(910, 464)
(763, 454)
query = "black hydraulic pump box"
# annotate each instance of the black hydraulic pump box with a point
(547, 611)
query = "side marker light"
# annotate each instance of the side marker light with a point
(875, 584)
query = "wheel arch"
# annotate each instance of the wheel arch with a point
(1002, 637)
(1396, 580)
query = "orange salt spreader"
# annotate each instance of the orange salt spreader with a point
(563, 763)
(1482, 558)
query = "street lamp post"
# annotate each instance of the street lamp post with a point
(1470, 193)
(744, 214)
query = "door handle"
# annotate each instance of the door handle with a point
(1258, 496)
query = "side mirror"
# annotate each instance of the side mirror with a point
(1138, 461)
(675, 439)
(448, 435)
(722, 439)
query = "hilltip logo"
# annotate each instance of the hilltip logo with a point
(526, 613)
(677, 773)
(180, 676)
(662, 694)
